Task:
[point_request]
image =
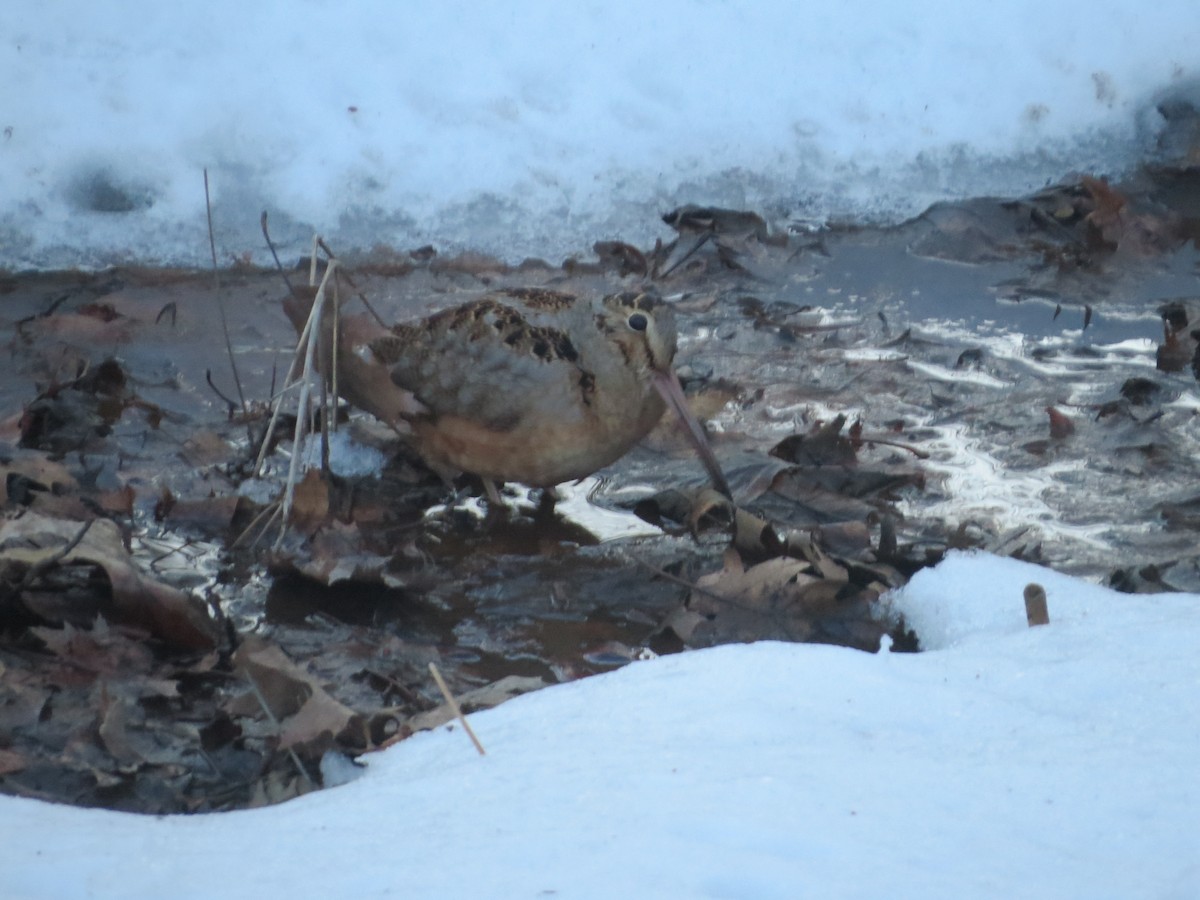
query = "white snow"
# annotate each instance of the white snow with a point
(1007, 761)
(538, 128)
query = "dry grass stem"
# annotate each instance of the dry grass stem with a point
(455, 708)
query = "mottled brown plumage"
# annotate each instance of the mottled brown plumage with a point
(537, 386)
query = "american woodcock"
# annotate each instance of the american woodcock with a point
(537, 386)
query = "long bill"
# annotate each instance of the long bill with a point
(668, 385)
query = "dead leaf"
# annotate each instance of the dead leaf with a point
(34, 541)
(754, 537)
(624, 258)
(206, 448)
(101, 650)
(779, 599)
(824, 445)
(31, 472)
(486, 697)
(337, 552)
(11, 761)
(114, 720)
(1061, 427)
(277, 787)
(310, 504)
(306, 713)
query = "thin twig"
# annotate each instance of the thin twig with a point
(454, 707)
(343, 274)
(303, 403)
(333, 368)
(212, 244)
(868, 439)
(271, 246)
(269, 512)
(277, 399)
(216, 390)
(683, 582)
(262, 701)
(35, 571)
(679, 262)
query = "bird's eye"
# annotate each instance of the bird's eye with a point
(638, 321)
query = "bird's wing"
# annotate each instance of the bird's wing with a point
(488, 362)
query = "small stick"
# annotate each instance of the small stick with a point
(266, 708)
(212, 244)
(679, 262)
(216, 390)
(335, 364)
(869, 439)
(271, 245)
(350, 281)
(269, 513)
(312, 261)
(454, 707)
(1036, 612)
(302, 403)
(36, 571)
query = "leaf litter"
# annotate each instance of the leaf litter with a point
(168, 643)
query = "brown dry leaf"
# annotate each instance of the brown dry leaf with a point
(624, 258)
(753, 537)
(82, 330)
(35, 473)
(711, 510)
(118, 501)
(1178, 346)
(779, 599)
(844, 538)
(11, 761)
(114, 721)
(310, 504)
(823, 565)
(306, 713)
(481, 698)
(824, 445)
(22, 700)
(101, 650)
(176, 618)
(814, 505)
(693, 219)
(206, 448)
(705, 511)
(1061, 426)
(337, 553)
(276, 787)
(749, 586)
(839, 493)
(664, 507)
(1107, 201)
(61, 506)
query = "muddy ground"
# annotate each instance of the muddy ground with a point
(1017, 375)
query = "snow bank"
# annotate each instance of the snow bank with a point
(537, 128)
(1049, 762)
